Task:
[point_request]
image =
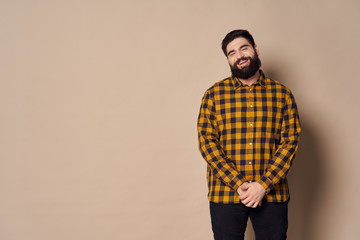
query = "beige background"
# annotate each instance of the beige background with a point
(99, 101)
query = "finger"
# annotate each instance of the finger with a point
(250, 204)
(246, 204)
(243, 196)
(244, 186)
(246, 201)
(255, 204)
(240, 191)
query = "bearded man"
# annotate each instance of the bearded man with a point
(248, 131)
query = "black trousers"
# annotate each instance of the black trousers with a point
(270, 221)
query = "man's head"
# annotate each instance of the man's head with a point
(242, 53)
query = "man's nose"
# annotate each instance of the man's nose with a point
(239, 55)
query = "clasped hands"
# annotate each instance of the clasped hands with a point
(251, 194)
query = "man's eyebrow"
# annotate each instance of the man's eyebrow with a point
(245, 45)
(230, 51)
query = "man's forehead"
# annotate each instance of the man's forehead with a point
(237, 42)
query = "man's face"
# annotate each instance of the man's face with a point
(243, 58)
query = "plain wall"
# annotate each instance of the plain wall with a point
(99, 102)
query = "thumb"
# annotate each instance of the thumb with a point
(244, 186)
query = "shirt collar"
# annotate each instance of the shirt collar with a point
(261, 80)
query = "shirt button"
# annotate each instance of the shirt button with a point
(250, 163)
(251, 124)
(250, 144)
(251, 106)
(250, 181)
(250, 89)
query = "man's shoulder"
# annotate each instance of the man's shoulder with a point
(276, 85)
(220, 85)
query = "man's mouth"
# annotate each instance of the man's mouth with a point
(242, 61)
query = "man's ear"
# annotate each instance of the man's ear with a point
(257, 49)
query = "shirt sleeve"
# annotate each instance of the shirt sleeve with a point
(210, 149)
(280, 164)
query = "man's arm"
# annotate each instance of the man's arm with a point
(280, 164)
(212, 152)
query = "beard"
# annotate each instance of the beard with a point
(248, 71)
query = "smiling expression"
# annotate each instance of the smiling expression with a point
(239, 53)
(243, 58)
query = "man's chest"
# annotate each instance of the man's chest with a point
(249, 108)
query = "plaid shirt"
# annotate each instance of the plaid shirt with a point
(248, 133)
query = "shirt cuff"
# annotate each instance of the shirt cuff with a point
(236, 182)
(266, 183)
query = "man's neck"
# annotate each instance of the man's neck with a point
(251, 80)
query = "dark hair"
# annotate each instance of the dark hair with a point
(236, 34)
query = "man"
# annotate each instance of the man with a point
(248, 130)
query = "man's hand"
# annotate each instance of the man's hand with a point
(251, 194)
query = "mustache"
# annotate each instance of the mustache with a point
(241, 59)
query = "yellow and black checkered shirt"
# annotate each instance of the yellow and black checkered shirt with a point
(248, 133)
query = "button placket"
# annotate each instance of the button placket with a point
(250, 102)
